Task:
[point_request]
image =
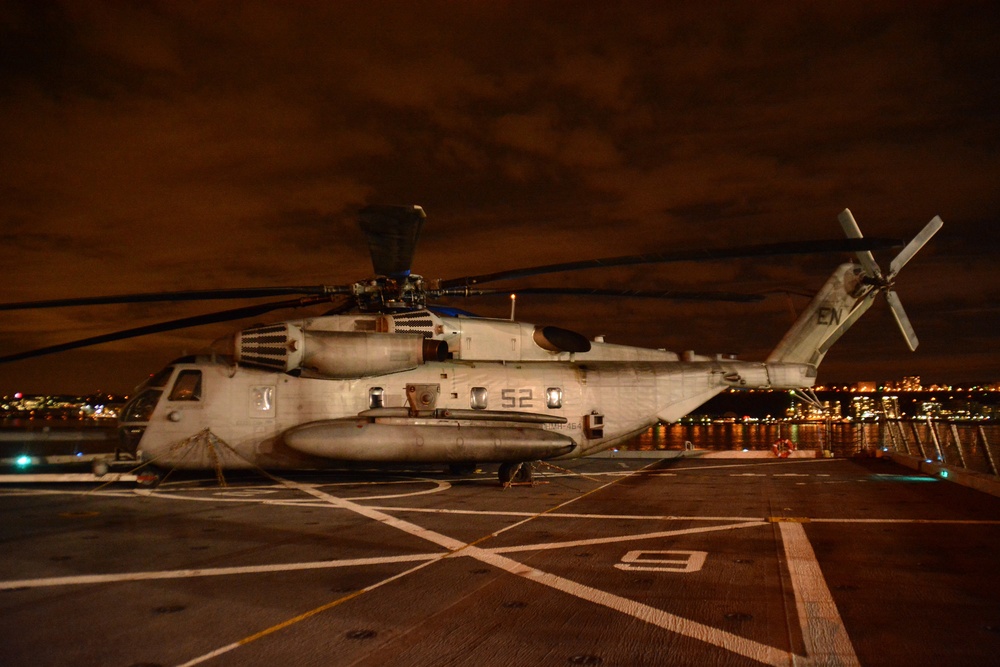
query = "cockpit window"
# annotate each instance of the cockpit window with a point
(140, 408)
(187, 386)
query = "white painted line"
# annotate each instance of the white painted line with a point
(237, 494)
(208, 572)
(823, 632)
(776, 462)
(48, 478)
(935, 522)
(623, 538)
(567, 515)
(406, 526)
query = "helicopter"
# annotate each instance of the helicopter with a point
(387, 377)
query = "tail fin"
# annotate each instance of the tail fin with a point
(845, 297)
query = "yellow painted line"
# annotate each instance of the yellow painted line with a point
(788, 519)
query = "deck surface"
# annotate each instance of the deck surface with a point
(615, 562)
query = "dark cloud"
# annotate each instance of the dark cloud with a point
(163, 146)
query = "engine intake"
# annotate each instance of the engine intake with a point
(555, 339)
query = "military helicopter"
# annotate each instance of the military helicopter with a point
(387, 377)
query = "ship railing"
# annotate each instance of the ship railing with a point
(964, 445)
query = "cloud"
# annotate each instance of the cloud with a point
(173, 146)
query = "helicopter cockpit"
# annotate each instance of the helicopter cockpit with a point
(136, 414)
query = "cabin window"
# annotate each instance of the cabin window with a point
(261, 401)
(376, 398)
(553, 398)
(187, 386)
(478, 398)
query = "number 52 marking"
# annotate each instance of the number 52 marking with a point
(516, 398)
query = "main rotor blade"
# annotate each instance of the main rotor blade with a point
(852, 231)
(184, 322)
(669, 295)
(392, 233)
(188, 295)
(914, 246)
(763, 250)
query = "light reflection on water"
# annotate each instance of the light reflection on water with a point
(736, 437)
(841, 438)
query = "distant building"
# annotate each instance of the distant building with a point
(909, 383)
(890, 407)
(864, 408)
(800, 411)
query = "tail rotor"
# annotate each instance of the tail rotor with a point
(874, 277)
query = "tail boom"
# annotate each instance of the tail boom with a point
(836, 307)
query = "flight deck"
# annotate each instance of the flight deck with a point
(674, 561)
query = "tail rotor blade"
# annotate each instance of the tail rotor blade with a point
(902, 320)
(852, 231)
(911, 249)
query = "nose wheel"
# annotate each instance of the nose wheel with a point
(149, 477)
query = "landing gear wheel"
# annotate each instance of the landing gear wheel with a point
(517, 473)
(148, 478)
(506, 472)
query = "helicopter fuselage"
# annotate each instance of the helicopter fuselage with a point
(504, 392)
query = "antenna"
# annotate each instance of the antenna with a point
(513, 303)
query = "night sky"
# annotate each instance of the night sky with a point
(171, 146)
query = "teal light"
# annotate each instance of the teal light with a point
(944, 474)
(23, 461)
(903, 478)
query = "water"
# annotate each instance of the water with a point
(843, 439)
(839, 438)
(56, 437)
